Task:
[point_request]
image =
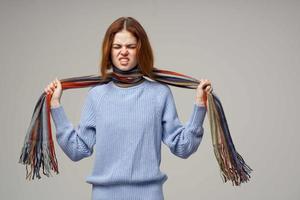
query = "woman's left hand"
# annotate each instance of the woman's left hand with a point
(203, 88)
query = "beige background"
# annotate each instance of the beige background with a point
(248, 49)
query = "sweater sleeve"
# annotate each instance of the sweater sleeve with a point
(76, 142)
(182, 139)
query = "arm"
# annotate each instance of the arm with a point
(78, 142)
(183, 140)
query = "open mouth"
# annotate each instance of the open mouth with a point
(124, 59)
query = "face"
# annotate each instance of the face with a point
(123, 51)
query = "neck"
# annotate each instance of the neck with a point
(127, 78)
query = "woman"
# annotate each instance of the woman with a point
(127, 122)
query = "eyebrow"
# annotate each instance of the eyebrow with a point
(126, 44)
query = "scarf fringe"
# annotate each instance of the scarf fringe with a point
(231, 163)
(38, 150)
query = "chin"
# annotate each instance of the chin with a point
(125, 67)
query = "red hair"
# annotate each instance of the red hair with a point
(144, 51)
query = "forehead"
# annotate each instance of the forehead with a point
(124, 37)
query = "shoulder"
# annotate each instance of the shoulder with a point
(161, 91)
(96, 92)
(97, 89)
(160, 88)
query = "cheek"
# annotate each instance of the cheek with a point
(114, 54)
(133, 53)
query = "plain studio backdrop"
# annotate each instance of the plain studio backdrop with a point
(248, 49)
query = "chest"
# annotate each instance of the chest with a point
(128, 111)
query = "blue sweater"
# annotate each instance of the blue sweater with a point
(126, 127)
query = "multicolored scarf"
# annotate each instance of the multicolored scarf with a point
(38, 149)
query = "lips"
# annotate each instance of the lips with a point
(124, 59)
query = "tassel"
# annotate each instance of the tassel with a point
(38, 148)
(231, 164)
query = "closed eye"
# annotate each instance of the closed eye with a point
(119, 46)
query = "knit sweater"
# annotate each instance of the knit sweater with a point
(126, 127)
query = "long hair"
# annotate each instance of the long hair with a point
(145, 57)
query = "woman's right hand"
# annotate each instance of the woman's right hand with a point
(55, 89)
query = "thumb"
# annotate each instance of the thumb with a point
(58, 84)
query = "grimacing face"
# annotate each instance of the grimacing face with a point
(123, 51)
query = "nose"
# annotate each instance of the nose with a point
(124, 51)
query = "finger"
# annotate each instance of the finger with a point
(208, 84)
(207, 88)
(55, 85)
(58, 83)
(206, 81)
(205, 85)
(49, 89)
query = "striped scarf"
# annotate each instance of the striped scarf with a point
(38, 149)
(127, 78)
